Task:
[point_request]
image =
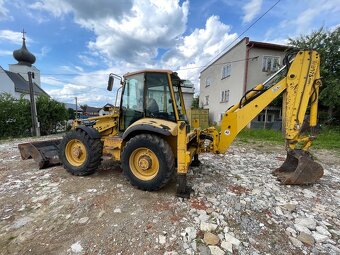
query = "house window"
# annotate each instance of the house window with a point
(207, 82)
(226, 70)
(262, 117)
(270, 63)
(225, 96)
(206, 100)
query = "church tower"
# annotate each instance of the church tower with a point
(25, 62)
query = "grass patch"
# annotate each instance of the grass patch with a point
(269, 135)
(328, 138)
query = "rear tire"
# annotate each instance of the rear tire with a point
(148, 162)
(79, 153)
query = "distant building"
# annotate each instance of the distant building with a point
(106, 110)
(188, 90)
(15, 80)
(73, 107)
(224, 82)
(92, 111)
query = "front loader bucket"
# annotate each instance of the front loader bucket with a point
(45, 153)
(299, 168)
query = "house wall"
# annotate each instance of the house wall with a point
(23, 70)
(234, 83)
(255, 73)
(188, 95)
(6, 84)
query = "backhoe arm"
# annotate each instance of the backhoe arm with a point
(300, 86)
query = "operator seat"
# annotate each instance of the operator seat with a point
(152, 106)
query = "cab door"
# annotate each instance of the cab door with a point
(132, 104)
(158, 100)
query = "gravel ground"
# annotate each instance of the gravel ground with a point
(237, 207)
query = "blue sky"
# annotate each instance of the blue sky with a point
(79, 42)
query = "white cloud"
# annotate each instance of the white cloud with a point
(305, 18)
(136, 37)
(302, 19)
(6, 53)
(56, 8)
(12, 37)
(198, 48)
(251, 9)
(186, 56)
(89, 88)
(131, 42)
(88, 61)
(4, 12)
(128, 30)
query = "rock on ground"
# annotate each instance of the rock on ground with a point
(236, 200)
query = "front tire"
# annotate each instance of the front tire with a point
(148, 162)
(79, 153)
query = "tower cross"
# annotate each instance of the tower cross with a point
(23, 34)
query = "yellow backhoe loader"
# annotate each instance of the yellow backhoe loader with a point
(151, 137)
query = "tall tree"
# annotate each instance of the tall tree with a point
(84, 108)
(327, 43)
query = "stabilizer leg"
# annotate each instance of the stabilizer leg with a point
(183, 190)
(195, 162)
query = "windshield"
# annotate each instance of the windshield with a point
(176, 83)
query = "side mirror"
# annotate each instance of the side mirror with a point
(110, 83)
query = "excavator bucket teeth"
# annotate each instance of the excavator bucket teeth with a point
(45, 153)
(298, 169)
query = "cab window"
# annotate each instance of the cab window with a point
(158, 102)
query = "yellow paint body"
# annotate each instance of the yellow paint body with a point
(300, 85)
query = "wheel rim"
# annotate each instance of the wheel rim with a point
(144, 164)
(75, 152)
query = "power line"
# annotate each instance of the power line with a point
(195, 67)
(251, 25)
(106, 74)
(228, 62)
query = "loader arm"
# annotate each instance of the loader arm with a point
(300, 85)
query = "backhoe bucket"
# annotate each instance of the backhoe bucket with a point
(45, 153)
(299, 168)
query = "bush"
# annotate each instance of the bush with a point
(15, 115)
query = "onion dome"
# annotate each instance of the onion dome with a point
(23, 56)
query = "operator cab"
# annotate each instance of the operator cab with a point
(150, 94)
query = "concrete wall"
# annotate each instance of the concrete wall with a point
(255, 73)
(234, 83)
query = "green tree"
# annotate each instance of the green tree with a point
(50, 113)
(195, 102)
(15, 117)
(71, 113)
(84, 108)
(327, 43)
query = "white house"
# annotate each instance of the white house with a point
(15, 80)
(224, 82)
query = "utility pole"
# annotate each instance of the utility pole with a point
(76, 108)
(35, 123)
